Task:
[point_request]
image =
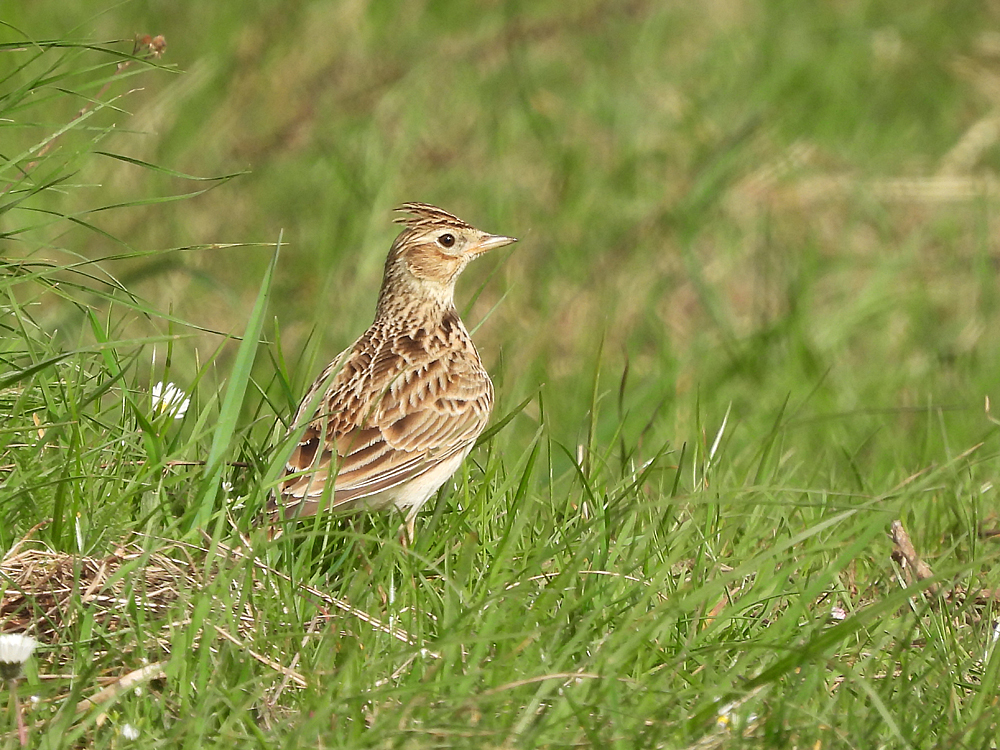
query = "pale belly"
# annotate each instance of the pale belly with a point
(410, 496)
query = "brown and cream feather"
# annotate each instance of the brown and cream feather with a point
(393, 416)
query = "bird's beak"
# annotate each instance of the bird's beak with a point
(490, 242)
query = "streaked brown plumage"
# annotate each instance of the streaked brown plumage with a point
(402, 406)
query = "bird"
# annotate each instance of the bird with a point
(393, 416)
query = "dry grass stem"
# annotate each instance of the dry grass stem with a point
(124, 683)
(332, 601)
(291, 674)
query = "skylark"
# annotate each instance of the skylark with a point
(403, 405)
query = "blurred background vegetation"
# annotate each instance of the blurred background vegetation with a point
(746, 202)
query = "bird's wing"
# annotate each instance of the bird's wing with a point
(392, 411)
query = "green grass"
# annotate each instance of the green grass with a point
(748, 325)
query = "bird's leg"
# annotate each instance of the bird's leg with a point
(407, 533)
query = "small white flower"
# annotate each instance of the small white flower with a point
(169, 399)
(227, 487)
(129, 732)
(15, 650)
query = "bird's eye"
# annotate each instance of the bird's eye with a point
(446, 240)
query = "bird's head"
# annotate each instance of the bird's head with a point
(431, 251)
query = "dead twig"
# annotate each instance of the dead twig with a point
(916, 570)
(913, 567)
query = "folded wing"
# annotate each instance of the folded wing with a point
(425, 403)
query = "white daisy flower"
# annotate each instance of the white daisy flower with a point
(15, 650)
(169, 399)
(129, 732)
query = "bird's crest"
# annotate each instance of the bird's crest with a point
(425, 215)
